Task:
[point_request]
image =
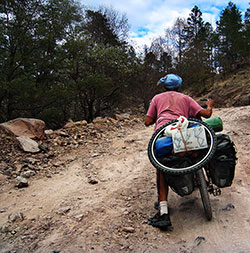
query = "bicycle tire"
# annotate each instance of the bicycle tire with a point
(178, 171)
(204, 194)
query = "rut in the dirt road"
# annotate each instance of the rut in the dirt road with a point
(67, 213)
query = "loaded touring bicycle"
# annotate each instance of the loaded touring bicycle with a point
(192, 156)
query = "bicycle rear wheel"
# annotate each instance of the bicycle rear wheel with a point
(193, 164)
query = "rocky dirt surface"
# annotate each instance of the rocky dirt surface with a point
(92, 189)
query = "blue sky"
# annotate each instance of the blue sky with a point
(149, 19)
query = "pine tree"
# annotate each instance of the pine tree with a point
(196, 62)
(229, 38)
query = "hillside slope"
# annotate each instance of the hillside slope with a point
(233, 91)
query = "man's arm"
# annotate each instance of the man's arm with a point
(149, 121)
(206, 113)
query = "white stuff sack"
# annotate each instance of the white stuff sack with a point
(173, 128)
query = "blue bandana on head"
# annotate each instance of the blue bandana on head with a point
(171, 81)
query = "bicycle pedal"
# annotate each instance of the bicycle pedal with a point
(217, 192)
(214, 191)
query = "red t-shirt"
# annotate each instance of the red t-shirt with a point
(171, 105)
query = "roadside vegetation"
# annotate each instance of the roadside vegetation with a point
(60, 60)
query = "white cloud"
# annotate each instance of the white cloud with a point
(150, 18)
(157, 22)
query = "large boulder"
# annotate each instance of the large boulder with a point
(32, 128)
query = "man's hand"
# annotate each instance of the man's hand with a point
(149, 121)
(210, 103)
(206, 113)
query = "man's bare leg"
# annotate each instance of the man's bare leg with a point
(163, 193)
(163, 187)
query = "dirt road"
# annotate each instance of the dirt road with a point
(101, 200)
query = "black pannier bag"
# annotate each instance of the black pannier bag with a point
(181, 184)
(222, 164)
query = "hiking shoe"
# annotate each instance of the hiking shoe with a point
(160, 221)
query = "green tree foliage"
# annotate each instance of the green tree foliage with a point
(97, 75)
(118, 22)
(165, 63)
(198, 51)
(196, 62)
(177, 35)
(148, 73)
(99, 30)
(246, 36)
(16, 46)
(230, 41)
(160, 55)
(32, 34)
(59, 61)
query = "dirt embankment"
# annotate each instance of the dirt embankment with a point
(233, 91)
(100, 194)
